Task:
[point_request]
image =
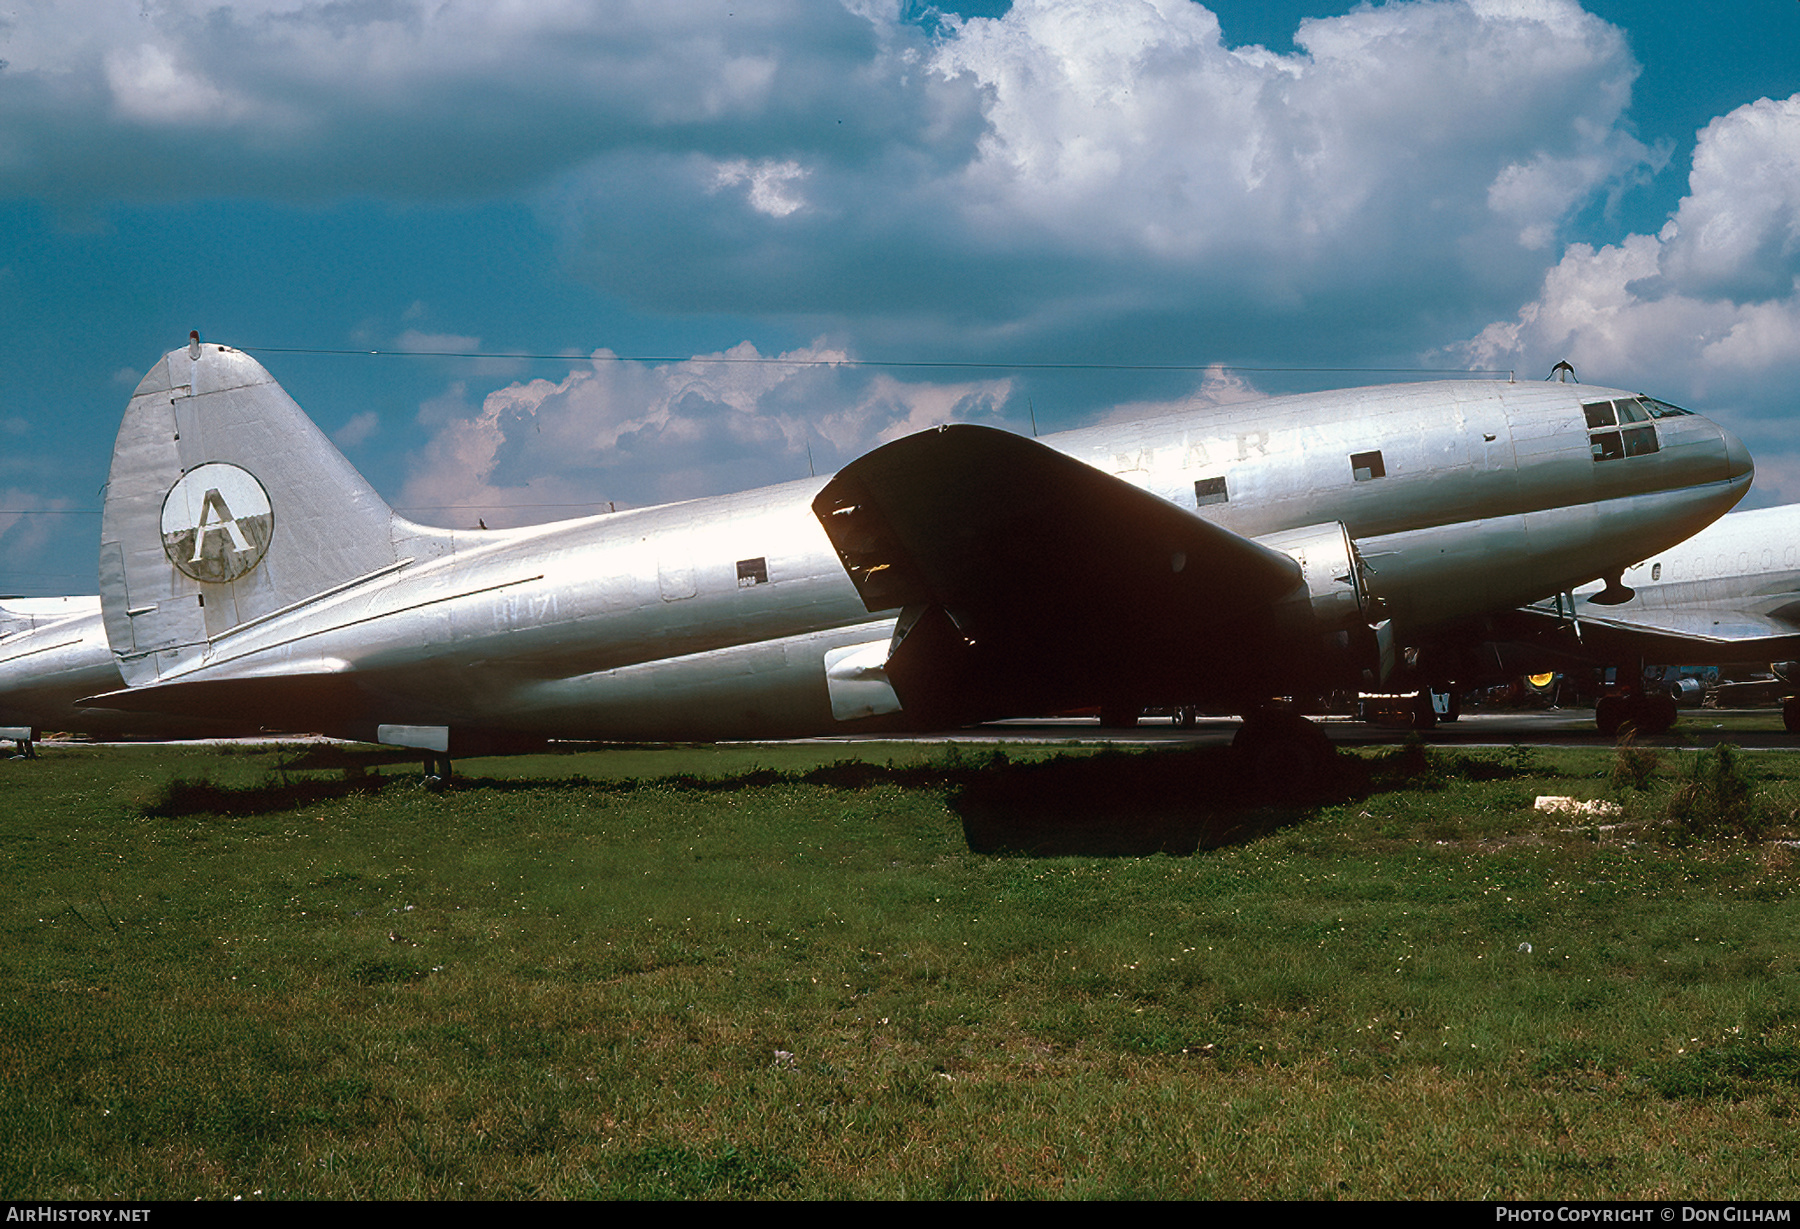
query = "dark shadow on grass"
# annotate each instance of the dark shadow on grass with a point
(1120, 804)
(184, 797)
(1113, 803)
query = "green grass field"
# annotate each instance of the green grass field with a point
(747, 972)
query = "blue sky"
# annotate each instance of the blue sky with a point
(1447, 183)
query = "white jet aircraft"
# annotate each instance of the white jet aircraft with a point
(1219, 556)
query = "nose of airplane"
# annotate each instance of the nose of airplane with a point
(1738, 463)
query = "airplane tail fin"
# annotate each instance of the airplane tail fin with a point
(224, 505)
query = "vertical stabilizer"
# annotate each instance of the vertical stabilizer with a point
(225, 504)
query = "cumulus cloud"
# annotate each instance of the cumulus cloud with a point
(1127, 179)
(358, 430)
(405, 98)
(1103, 170)
(629, 434)
(23, 533)
(1707, 310)
(1217, 386)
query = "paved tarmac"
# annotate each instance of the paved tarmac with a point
(1697, 727)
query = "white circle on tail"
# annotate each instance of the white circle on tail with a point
(217, 522)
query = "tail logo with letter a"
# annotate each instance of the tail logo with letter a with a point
(217, 522)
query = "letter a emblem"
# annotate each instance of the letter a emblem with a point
(215, 517)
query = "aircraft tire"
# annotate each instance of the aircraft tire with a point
(1610, 713)
(1286, 756)
(1790, 714)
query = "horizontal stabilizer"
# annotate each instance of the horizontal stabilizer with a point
(290, 703)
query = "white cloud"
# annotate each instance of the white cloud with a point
(1128, 122)
(148, 85)
(361, 428)
(23, 536)
(1737, 233)
(1109, 175)
(1073, 157)
(1218, 386)
(772, 186)
(403, 98)
(630, 434)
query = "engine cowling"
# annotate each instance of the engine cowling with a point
(1333, 608)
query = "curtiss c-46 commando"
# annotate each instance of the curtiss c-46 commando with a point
(1219, 557)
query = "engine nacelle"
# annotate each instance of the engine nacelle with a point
(1353, 642)
(1331, 593)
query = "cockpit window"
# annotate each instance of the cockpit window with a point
(1662, 409)
(1639, 441)
(1633, 441)
(1606, 445)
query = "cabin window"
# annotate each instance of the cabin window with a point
(1656, 571)
(1210, 491)
(1367, 466)
(753, 572)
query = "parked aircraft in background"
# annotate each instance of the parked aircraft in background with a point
(1219, 556)
(53, 653)
(1730, 595)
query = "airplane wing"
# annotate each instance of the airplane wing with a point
(1012, 562)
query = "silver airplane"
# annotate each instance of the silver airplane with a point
(53, 653)
(1729, 595)
(1220, 556)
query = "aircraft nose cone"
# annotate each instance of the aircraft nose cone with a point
(1738, 463)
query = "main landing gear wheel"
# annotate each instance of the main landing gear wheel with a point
(1652, 714)
(1285, 755)
(1790, 714)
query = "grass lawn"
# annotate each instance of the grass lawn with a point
(751, 972)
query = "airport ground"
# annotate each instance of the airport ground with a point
(1013, 963)
(1574, 727)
